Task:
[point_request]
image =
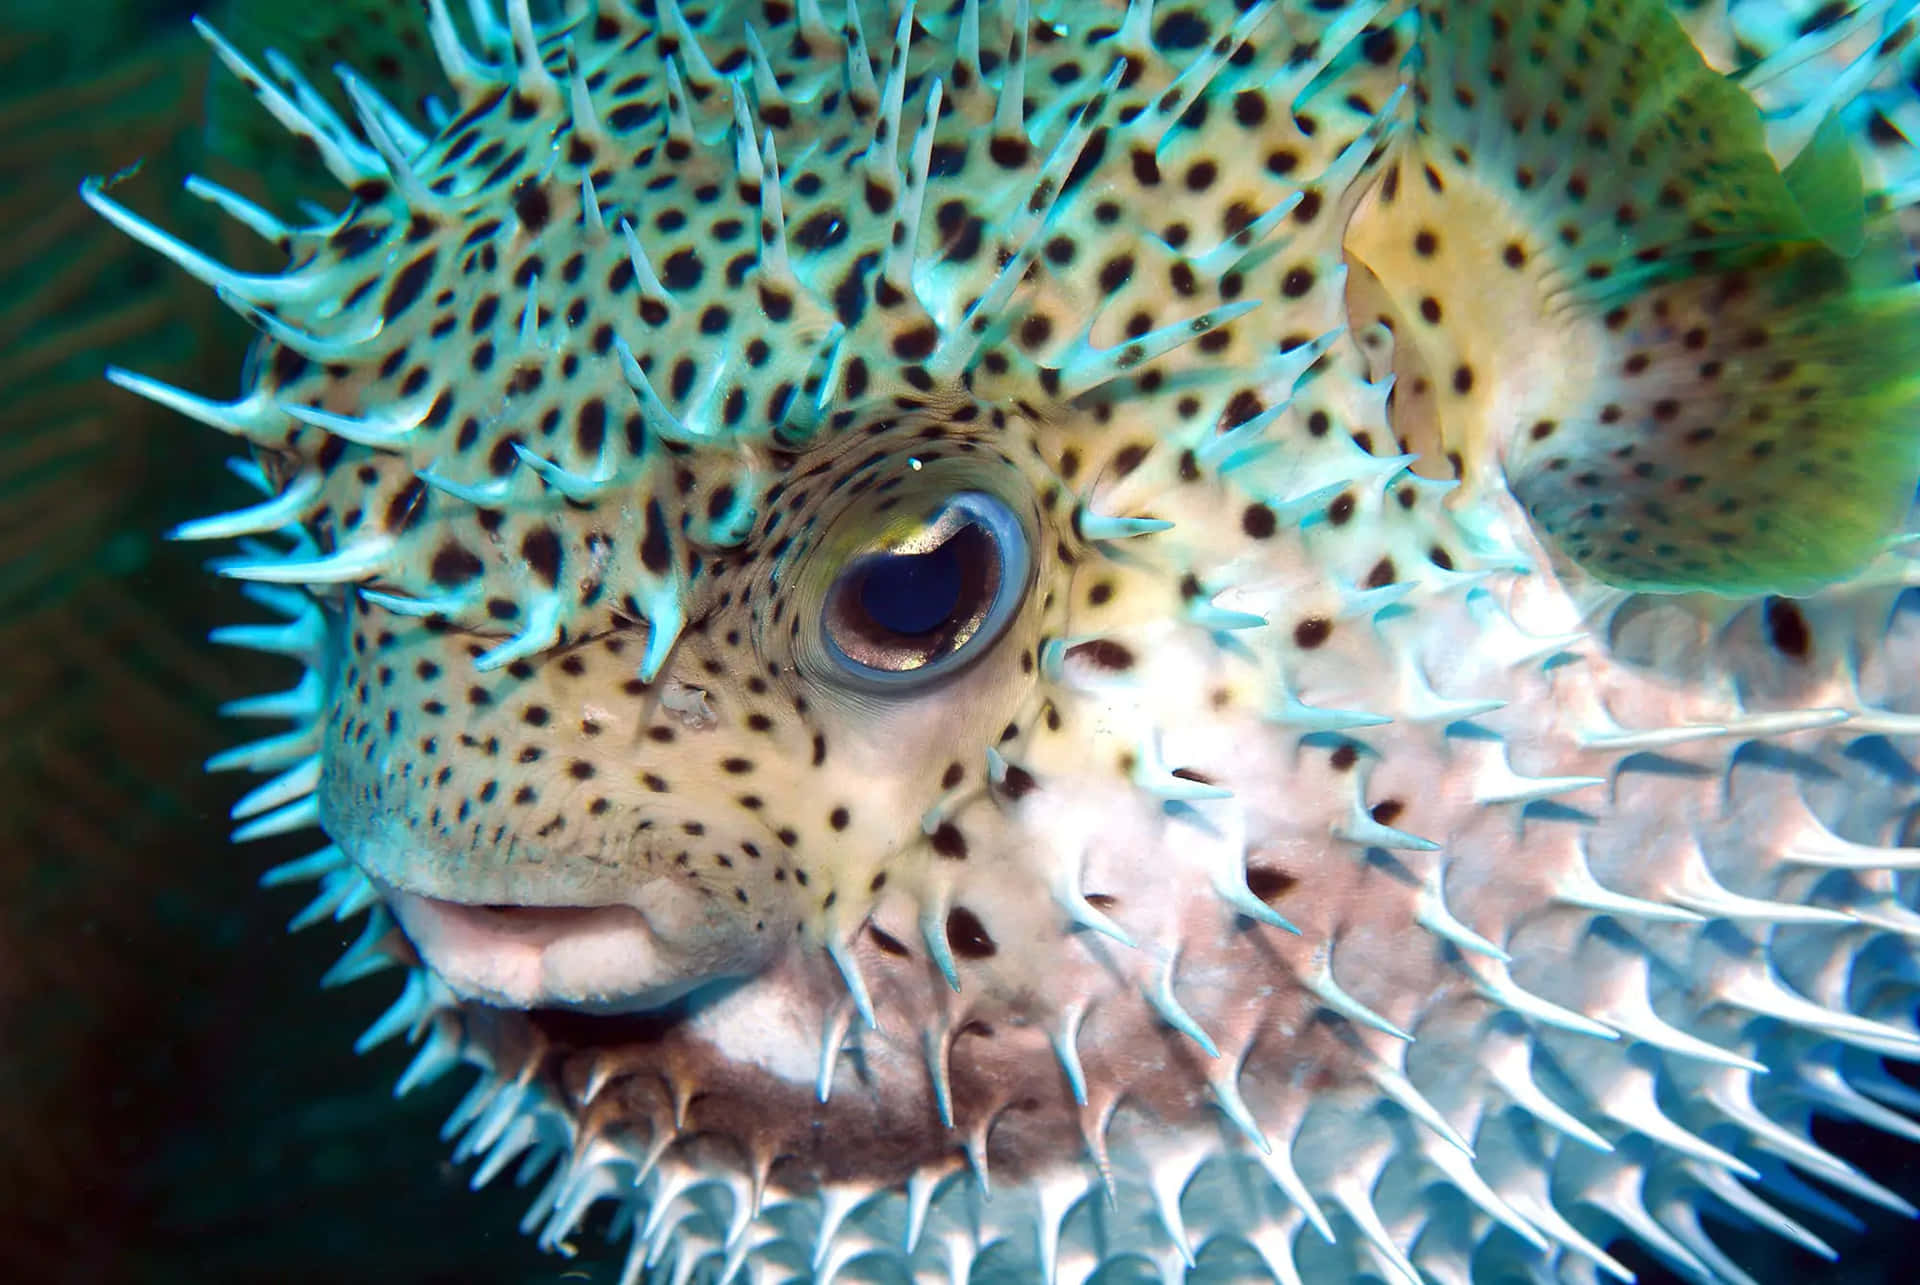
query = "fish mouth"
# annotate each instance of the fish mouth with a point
(592, 959)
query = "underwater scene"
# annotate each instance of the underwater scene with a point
(960, 641)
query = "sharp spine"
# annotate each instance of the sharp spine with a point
(268, 754)
(1065, 1039)
(934, 1047)
(313, 866)
(255, 417)
(362, 561)
(338, 156)
(369, 953)
(260, 519)
(542, 631)
(532, 78)
(469, 77)
(1335, 998)
(582, 488)
(379, 120)
(1756, 991)
(933, 932)
(387, 432)
(1225, 1086)
(242, 211)
(842, 956)
(298, 815)
(1098, 527)
(1433, 915)
(296, 782)
(1163, 1001)
(1087, 368)
(1495, 984)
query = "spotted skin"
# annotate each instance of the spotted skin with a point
(1332, 870)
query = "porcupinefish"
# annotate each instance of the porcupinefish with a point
(1009, 640)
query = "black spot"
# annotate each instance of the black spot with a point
(1129, 458)
(947, 159)
(531, 204)
(407, 286)
(288, 366)
(960, 231)
(820, 231)
(1241, 407)
(502, 459)
(949, 842)
(776, 304)
(850, 296)
(454, 564)
(358, 238)
(888, 944)
(655, 554)
(682, 270)
(406, 506)
(917, 344)
(1270, 883)
(680, 381)
(1787, 629)
(1258, 521)
(631, 116)
(1091, 154)
(967, 935)
(1311, 632)
(541, 549)
(1009, 151)
(1380, 46)
(590, 426)
(1825, 16)
(1102, 653)
(1181, 29)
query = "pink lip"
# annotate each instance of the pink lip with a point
(596, 958)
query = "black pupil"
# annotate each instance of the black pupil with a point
(913, 593)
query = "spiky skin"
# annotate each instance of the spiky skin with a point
(1325, 874)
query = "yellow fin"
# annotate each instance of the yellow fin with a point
(1676, 357)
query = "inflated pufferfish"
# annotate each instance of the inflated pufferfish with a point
(1013, 641)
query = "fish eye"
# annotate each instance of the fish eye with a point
(916, 608)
